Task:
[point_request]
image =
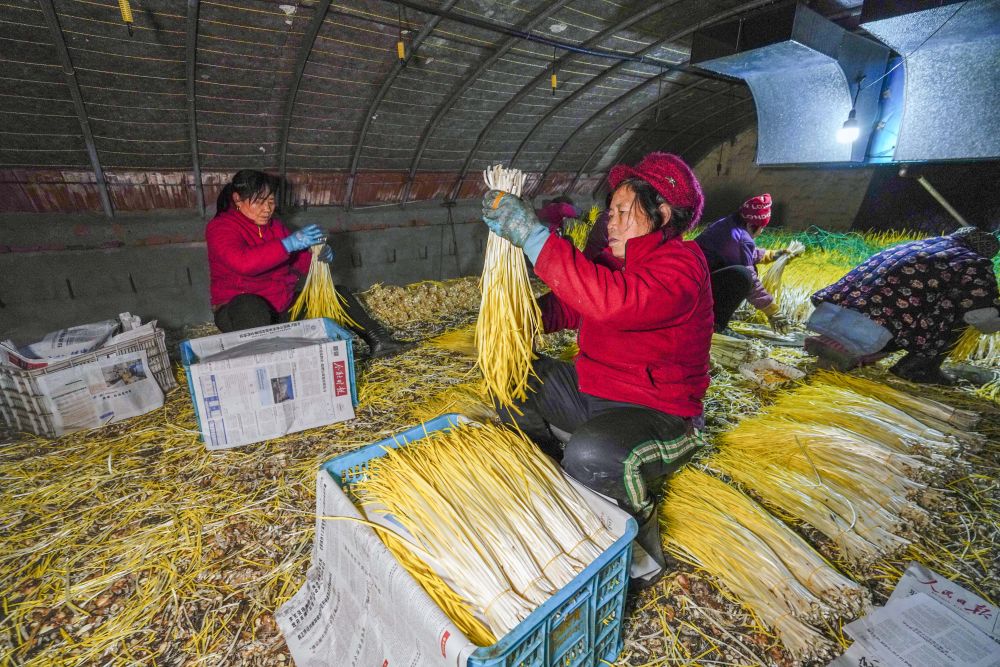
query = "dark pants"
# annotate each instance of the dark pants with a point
(617, 449)
(730, 286)
(249, 311)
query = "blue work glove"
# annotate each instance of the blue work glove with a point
(326, 254)
(302, 239)
(514, 220)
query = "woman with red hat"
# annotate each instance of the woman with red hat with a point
(630, 407)
(733, 257)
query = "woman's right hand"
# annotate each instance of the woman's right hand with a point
(304, 238)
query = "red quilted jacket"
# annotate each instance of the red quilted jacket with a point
(645, 324)
(246, 259)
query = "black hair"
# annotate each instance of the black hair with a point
(650, 200)
(561, 199)
(248, 184)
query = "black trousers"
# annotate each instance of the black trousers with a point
(249, 311)
(618, 449)
(730, 286)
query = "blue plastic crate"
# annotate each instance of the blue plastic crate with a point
(333, 330)
(580, 626)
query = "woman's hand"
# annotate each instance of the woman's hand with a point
(302, 239)
(326, 254)
(512, 218)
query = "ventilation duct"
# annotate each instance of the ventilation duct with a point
(951, 85)
(803, 71)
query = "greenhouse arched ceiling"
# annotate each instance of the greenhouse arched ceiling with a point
(193, 91)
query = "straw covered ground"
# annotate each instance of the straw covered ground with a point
(133, 544)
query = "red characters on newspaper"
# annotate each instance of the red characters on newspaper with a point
(339, 378)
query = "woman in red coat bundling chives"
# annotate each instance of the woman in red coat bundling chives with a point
(256, 264)
(632, 401)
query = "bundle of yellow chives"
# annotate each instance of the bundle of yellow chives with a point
(450, 602)
(461, 340)
(773, 571)
(492, 513)
(771, 280)
(319, 296)
(966, 346)
(509, 318)
(953, 421)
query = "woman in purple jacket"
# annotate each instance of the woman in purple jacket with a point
(733, 257)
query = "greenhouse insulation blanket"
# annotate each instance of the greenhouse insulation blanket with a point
(254, 385)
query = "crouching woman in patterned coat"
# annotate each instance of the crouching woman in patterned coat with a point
(917, 297)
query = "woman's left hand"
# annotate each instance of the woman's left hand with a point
(326, 254)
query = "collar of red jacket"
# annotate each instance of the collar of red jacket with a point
(635, 250)
(244, 222)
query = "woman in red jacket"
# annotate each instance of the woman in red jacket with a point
(632, 402)
(256, 264)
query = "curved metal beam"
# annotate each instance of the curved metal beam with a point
(631, 145)
(305, 49)
(640, 138)
(721, 16)
(718, 131)
(583, 126)
(49, 9)
(652, 105)
(383, 90)
(530, 86)
(192, 54)
(464, 85)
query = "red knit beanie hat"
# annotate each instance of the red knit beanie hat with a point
(670, 176)
(757, 210)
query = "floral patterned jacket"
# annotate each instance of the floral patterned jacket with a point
(919, 291)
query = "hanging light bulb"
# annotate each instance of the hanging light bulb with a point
(849, 131)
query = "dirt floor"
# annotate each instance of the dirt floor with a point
(133, 544)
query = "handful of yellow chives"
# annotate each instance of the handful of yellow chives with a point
(319, 296)
(509, 319)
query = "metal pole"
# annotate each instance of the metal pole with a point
(81, 111)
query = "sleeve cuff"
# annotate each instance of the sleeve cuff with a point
(535, 242)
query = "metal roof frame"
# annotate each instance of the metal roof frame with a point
(721, 16)
(49, 9)
(192, 113)
(305, 48)
(531, 85)
(383, 90)
(501, 49)
(651, 106)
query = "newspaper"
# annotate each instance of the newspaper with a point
(264, 383)
(928, 621)
(968, 605)
(113, 387)
(72, 341)
(358, 606)
(917, 631)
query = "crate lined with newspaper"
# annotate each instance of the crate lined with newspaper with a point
(460, 543)
(84, 377)
(252, 385)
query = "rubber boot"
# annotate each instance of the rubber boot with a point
(380, 341)
(648, 538)
(922, 370)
